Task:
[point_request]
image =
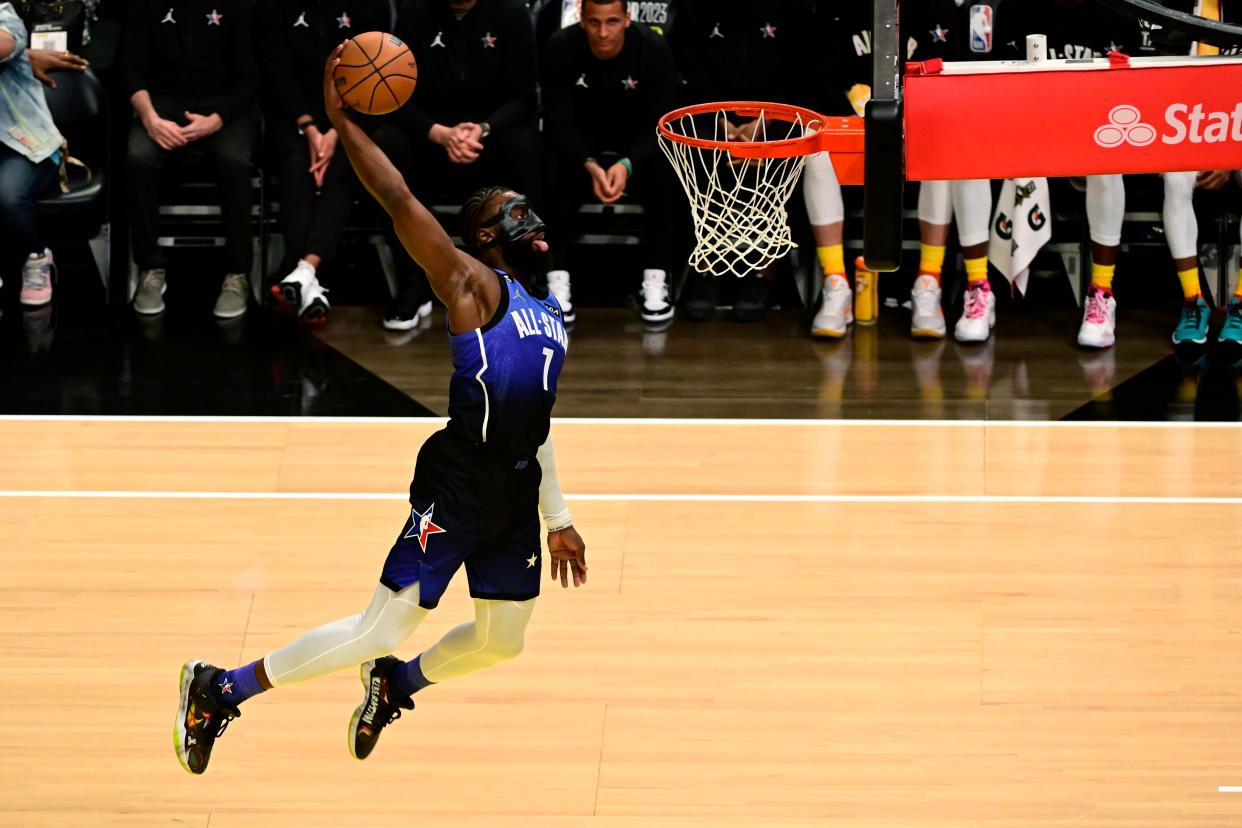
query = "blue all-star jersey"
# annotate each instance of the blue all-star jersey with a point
(504, 378)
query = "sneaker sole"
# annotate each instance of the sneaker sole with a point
(400, 324)
(187, 677)
(228, 315)
(829, 333)
(660, 316)
(316, 312)
(927, 333)
(363, 670)
(35, 303)
(1201, 341)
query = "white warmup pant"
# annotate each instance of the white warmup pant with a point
(1180, 225)
(1106, 208)
(970, 201)
(822, 191)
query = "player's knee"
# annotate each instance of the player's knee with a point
(503, 648)
(1179, 187)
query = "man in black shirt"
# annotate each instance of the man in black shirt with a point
(316, 185)
(606, 83)
(189, 72)
(471, 121)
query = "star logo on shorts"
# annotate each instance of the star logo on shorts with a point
(342, 22)
(629, 83)
(940, 34)
(489, 42)
(214, 18)
(226, 686)
(421, 526)
(532, 560)
(768, 31)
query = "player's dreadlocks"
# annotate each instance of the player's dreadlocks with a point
(471, 215)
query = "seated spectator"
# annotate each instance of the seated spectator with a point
(605, 85)
(471, 122)
(553, 15)
(746, 52)
(317, 186)
(30, 147)
(189, 71)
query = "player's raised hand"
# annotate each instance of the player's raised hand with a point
(568, 553)
(332, 100)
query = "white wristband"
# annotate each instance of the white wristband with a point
(551, 501)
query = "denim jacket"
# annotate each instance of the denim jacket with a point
(26, 125)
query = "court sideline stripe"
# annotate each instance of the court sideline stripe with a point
(625, 421)
(620, 497)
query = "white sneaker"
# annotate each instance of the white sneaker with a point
(926, 315)
(301, 290)
(836, 309)
(558, 286)
(978, 316)
(1099, 319)
(656, 307)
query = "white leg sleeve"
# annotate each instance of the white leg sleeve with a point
(822, 191)
(1180, 225)
(390, 620)
(936, 202)
(972, 204)
(496, 634)
(1106, 208)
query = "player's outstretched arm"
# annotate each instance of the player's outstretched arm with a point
(566, 547)
(448, 269)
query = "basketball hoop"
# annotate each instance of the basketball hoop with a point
(738, 188)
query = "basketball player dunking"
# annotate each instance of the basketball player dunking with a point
(478, 484)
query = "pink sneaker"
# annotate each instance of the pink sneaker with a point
(37, 279)
(1099, 319)
(978, 315)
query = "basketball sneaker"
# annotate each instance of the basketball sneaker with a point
(701, 297)
(1099, 319)
(37, 279)
(558, 286)
(200, 717)
(1192, 327)
(301, 290)
(751, 304)
(406, 312)
(655, 305)
(381, 705)
(926, 314)
(1231, 333)
(836, 309)
(978, 315)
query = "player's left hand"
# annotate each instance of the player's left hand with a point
(333, 103)
(568, 553)
(200, 126)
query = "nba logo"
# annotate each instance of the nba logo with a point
(981, 29)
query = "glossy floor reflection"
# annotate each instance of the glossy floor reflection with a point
(87, 358)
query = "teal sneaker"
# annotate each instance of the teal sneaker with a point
(1231, 333)
(1193, 325)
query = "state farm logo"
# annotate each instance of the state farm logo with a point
(1185, 124)
(1125, 126)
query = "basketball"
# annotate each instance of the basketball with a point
(376, 74)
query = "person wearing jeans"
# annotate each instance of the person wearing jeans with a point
(30, 148)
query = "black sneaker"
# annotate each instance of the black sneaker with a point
(200, 718)
(406, 311)
(701, 302)
(380, 706)
(752, 299)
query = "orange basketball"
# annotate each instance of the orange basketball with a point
(376, 74)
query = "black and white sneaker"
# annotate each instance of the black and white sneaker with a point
(381, 705)
(655, 305)
(406, 311)
(200, 718)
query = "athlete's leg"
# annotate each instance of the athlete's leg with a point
(1106, 209)
(496, 634)
(972, 205)
(825, 208)
(1182, 229)
(935, 215)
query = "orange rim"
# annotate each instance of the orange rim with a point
(781, 148)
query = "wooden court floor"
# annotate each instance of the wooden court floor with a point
(863, 624)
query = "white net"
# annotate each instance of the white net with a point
(738, 204)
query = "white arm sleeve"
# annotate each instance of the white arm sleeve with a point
(551, 501)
